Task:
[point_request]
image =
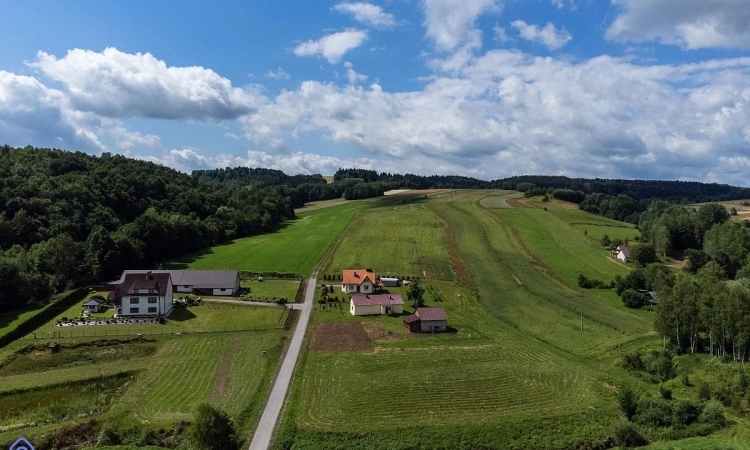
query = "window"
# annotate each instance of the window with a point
(152, 299)
(133, 310)
(134, 301)
(152, 309)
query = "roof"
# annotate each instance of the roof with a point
(357, 276)
(431, 313)
(411, 318)
(131, 281)
(625, 250)
(381, 299)
(198, 279)
(91, 302)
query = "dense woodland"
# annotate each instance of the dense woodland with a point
(73, 218)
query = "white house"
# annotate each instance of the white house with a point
(144, 294)
(358, 281)
(200, 282)
(369, 305)
(623, 253)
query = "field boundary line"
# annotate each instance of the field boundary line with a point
(325, 262)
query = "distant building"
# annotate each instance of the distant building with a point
(144, 294)
(92, 305)
(622, 253)
(370, 305)
(359, 281)
(427, 320)
(389, 282)
(199, 282)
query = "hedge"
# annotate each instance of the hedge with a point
(59, 302)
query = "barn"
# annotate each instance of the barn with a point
(370, 305)
(427, 320)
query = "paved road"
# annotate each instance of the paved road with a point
(263, 434)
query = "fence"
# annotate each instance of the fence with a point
(90, 332)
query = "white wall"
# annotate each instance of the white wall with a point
(368, 310)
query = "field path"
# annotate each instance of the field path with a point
(269, 418)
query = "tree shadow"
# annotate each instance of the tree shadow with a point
(181, 315)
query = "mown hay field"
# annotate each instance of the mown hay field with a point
(396, 240)
(297, 246)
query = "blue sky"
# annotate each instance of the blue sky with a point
(486, 88)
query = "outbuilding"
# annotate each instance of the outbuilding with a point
(427, 320)
(389, 282)
(92, 305)
(371, 305)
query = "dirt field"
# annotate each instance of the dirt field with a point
(339, 336)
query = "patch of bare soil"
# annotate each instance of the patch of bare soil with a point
(517, 203)
(222, 381)
(348, 336)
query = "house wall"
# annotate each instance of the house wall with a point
(398, 309)
(431, 326)
(621, 257)
(349, 288)
(187, 289)
(166, 303)
(227, 291)
(366, 287)
(368, 310)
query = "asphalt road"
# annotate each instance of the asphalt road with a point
(270, 416)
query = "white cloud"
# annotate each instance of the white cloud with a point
(501, 37)
(352, 75)
(549, 36)
(449, 22)
(688, 24)
(117, 84)
(367, 13)
(279, 74)
(334, 46)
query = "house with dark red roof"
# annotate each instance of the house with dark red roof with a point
(359, 281)
(371, 305)
(144, 295)
(427, 320)
(199, 282)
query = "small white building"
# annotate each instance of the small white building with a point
(623, 253)
(359, 281)
(144, 294)
(92, 305)
(372, 305)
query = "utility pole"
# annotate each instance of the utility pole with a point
(581, 310)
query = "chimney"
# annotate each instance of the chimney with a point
(149, 276)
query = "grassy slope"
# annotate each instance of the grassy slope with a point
(390, 240)
(297, 247)
(517, 391)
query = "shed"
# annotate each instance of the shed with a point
(389, 282)
(623, 253)
(427, 320)
(92, 305)
(53, 347)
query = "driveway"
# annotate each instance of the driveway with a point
(270, 416)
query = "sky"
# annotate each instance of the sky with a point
(647, 89)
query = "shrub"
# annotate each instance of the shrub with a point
(632, 298)
(685, 413)
(704, 391)
(628, 400)
(713, 414)
(626, 435)
(213, 429)
(665, 393)
(655, 412)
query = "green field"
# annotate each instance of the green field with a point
(204, 318)
(297, 247)
(393, 240)
(271, 289)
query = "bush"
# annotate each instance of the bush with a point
(632, 298)
(713, 414)
(213, 429)
(654, 412)
(626, 435)
(628, 400)
(685, 413)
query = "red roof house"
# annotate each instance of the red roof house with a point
(427, 320)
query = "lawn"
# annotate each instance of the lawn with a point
(271, 289)
(230, 370)
(298, 246)
(398, 239)
(207, 317)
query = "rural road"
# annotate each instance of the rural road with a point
(270, 416)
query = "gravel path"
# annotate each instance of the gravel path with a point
(270, 416)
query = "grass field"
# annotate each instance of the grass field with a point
(269, 289)
(297, 247)
(394, 240)
(207, 317)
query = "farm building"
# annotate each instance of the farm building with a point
(389, 282)
(622, 253)
(359, 281)
(53, 347)
(200, 282)
(92, 305)
(144, 294)
(427, 320)
(369, 305)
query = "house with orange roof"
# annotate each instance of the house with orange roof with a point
(359, 281)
